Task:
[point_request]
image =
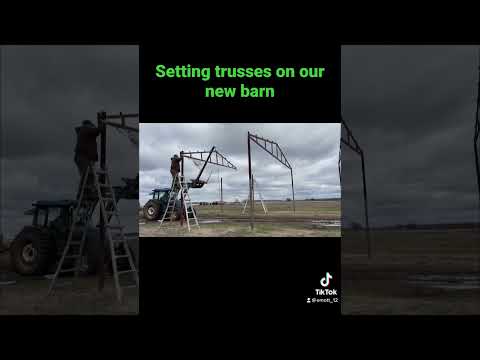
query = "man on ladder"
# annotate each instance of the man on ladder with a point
(174, 171)
(86, 150)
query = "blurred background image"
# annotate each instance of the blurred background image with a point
(412, 109)
(47, 92)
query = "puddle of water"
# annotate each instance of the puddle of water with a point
(326, 223)
(447, 281)
(210, 221)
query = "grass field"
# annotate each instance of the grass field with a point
(312, 210)
(387, 284)
(279, 221)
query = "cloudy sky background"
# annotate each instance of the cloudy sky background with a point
(46, 92)
(311, 149)
(412, 108)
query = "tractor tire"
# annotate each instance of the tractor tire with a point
(31, 252)
(151, 210)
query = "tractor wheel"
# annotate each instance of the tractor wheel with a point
(151, 210)
(31, 251)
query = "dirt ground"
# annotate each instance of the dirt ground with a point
(280, 221)
(313, 210)
(387, 284)
(237, 230)
(72, 297)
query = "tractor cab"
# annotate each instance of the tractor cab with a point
(157, 194)
(56, 214)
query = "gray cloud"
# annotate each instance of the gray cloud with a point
(46, 92)
(412, 109)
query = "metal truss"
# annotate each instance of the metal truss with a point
(350, 141)
(273, 149)
(277, 154)
(210, 157)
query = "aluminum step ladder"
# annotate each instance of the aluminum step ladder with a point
(255, 187)
(179, 186)
(114, 233)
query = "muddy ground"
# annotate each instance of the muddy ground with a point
(230, 229)
(280, 221)
(74, 297)
(387, 284)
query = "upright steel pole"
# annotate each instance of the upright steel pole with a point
(1, 147)
(101, 117)
(221, 193)
(250, 187)
(366, 206)
(475, 139)
(182, 212)
(293, 192)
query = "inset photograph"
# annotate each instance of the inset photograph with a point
(239, 180)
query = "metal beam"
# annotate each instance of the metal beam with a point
(123, 120)
(101, 116)
(218, 159)
(277, 154)
(475, 138)
(352, 143)
(102, 123)
(250, 182)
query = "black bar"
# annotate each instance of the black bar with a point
(250, 181)
(359, 151)
(366, 207)
(119, 116)
(120, 126)
(475, 140)
(293, 192)
(188, 155)
(205, 164)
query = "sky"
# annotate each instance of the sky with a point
(412, 109)
(46, 92)
(311, 149)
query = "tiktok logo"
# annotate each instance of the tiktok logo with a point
(326, 280)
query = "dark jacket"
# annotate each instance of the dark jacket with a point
(87, 142)
(175, 166)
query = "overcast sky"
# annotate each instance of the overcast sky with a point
(46, 92)
(412, 108)
(311, 149)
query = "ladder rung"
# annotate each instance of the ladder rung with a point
(129, 286)
(121, 256)
(125, 272)
(68, 270)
